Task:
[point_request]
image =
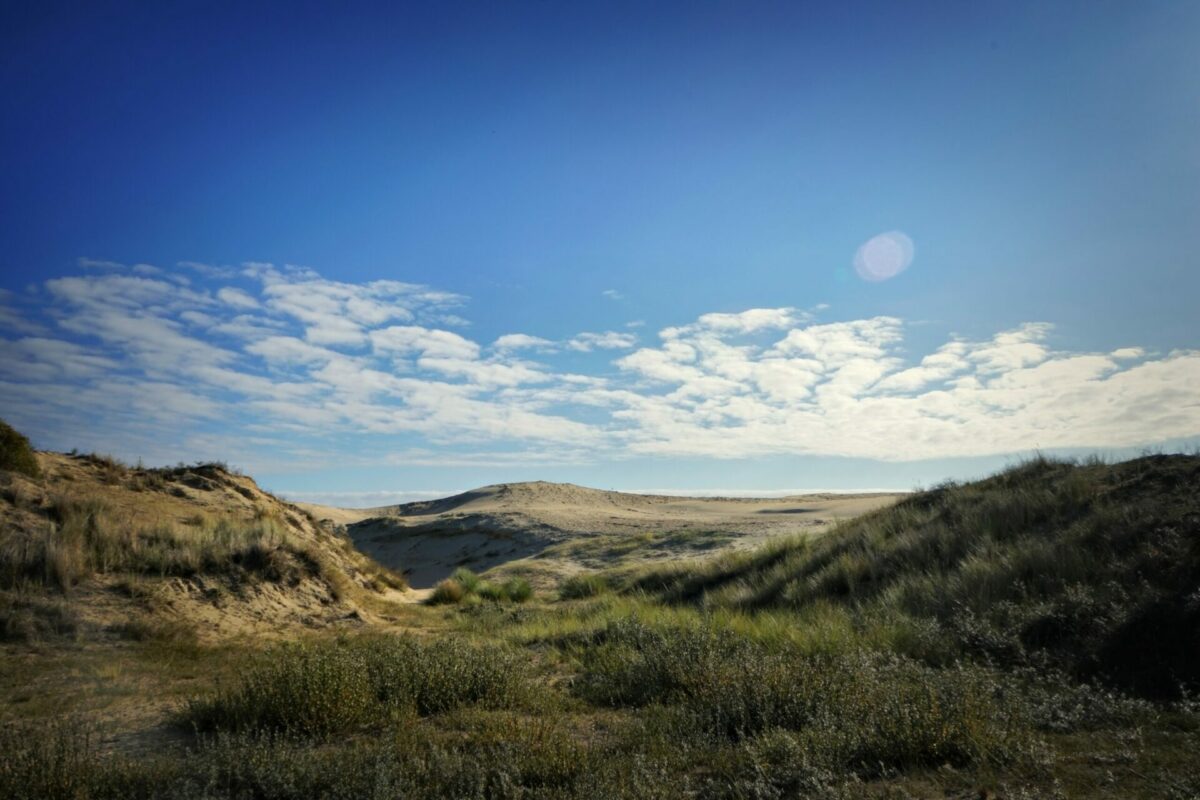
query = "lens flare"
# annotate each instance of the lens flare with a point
(883, 256)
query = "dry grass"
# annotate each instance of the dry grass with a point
(83, 535)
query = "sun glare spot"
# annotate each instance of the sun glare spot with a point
(883, 256)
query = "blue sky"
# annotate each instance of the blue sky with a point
(417, 248)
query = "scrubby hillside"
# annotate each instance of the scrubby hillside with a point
(951, 645)
(1092, 568)
(90, 545)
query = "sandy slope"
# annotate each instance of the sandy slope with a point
(506, 523)
(311, 577)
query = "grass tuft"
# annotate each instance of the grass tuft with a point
(580, 586)
(465, 586)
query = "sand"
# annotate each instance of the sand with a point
(569, 528)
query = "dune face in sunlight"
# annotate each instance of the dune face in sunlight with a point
(545, 531)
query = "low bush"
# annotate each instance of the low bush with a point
(332, 687)
(16, 455)
(468, 580)
(517, 590)
(447, 592)
(32, 617)
(49, 761)
(580, 586)
(859, 712)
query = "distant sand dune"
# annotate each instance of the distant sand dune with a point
(509, 522)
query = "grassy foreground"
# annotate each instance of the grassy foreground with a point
(1026, 636)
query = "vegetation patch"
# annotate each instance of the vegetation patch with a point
(863, 713)
(331, 687)
(1088, 568)
(586, 585)
(465, 585)
(15, 453)
(84, 535)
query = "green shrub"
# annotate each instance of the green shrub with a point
(517, 590)
(466, 586)
(54, 761)
(333, 687)
(580, 586)
(15, 453)
(859, 712)
(494, 592)
(467, 579)
(298, 689)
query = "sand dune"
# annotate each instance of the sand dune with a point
(199, 547)
(504, 523)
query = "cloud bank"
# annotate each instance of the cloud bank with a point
(201, 360)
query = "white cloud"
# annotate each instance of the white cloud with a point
(518, 341)
(408, 339)
(1012, 349)
(843, 388)
(749, 321)
(198, 318)
(313, 366)
(38, 359)
(838, 343)
(208, 270)
(613, 294)
(231, 296)
(484, 373)
(96, 263)
(112, 291)
(290, 350)
(608, 340)
(337, 313)
(14, 321)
